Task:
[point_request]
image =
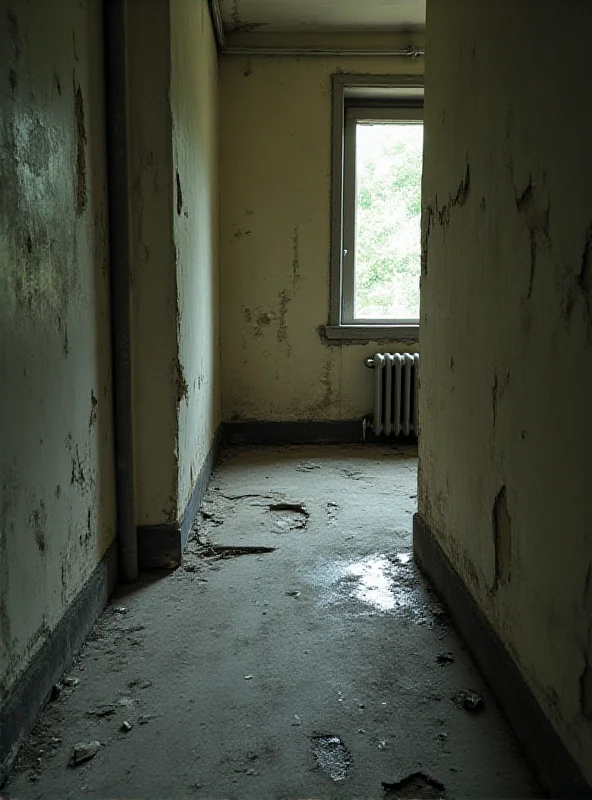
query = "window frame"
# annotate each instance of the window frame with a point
(370, 97)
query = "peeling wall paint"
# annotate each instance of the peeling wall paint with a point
(275, 139)
(194, 101)
(57, 507)
(506, 430)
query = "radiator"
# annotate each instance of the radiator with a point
(396, 381)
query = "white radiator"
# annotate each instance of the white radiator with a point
(396, 381)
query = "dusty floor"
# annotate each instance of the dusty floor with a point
(323, 668)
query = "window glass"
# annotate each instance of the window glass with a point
(387, 220)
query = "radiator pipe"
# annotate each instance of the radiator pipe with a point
(116, 93)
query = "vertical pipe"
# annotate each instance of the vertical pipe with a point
(116, 74)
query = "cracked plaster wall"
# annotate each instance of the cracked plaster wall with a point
(57, 510)
(275, 140)
(194, 99)
(506, 332)
(173, 136)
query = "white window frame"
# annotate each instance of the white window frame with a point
(373, 99)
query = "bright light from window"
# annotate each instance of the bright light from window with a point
(388, 218)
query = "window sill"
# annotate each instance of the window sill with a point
(371, 333)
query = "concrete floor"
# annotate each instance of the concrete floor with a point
(320, 669)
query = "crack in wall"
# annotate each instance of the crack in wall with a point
(81, 141)
(179, 195)
(502, 539)
(536, 212)
(498, 389)
(436, 214)
(583, 283)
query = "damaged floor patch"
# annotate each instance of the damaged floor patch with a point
(416, 786)
(332, 756)
(289, 516)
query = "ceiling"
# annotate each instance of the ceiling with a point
(322, 15)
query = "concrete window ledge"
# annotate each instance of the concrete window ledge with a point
(371, 333)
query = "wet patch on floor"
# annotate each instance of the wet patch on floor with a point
(332, 756)
(388, 583)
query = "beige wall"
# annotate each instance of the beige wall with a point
(57, 514)
(275, 240)
(194, 100)
(506, 384)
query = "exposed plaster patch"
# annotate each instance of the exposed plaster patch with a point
(93, 409)
(179, 195)
(38, 524)
(81, 141)
(502, 539)
(434, 214)
(240, 233)
(179, 381)
(534, 205)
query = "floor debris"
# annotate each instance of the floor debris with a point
(84, 751)
(126, 726)
(219, 551)
(445, 658)
(469, 700)
(416, 786)
(353, 658)
(307, 466)
(332, 756)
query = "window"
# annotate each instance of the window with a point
(377, 164)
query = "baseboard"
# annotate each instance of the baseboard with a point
(28, 696)
(554, 766)
(314, 432)
(161, 546)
